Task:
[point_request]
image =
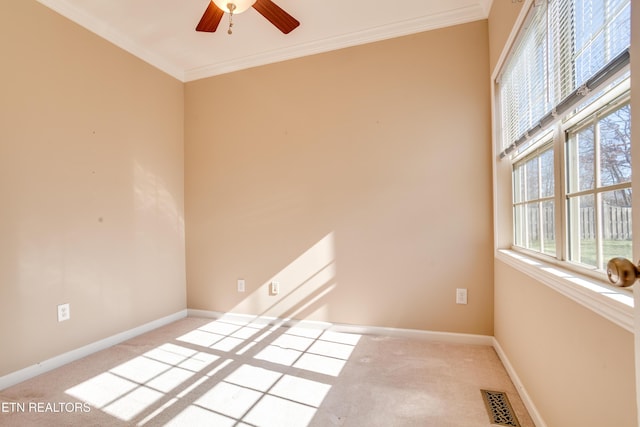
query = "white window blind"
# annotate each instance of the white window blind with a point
(566, 48)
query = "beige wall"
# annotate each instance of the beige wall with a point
(91, 187)
(577, 367)
(360, 179)
(333, 174)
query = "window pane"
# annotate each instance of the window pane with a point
(589, 18)
(615, 4)
(523, 86)
(518, 215)
(533, 179)
(518, 188)
(534, 219)
(547, 180)
(620, 29)
(601, 32)
(549, 227)
(583, 230)
(615, 147)
(590, 60)
(533, 226)
(616, 224)
(583, 142)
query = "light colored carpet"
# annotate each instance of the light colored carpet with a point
(222, 373)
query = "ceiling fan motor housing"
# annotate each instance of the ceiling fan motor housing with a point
(235, 6)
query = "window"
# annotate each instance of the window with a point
(599, 188)
(534, 202)
(564, 114)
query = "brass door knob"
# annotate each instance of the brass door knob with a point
(622, 272)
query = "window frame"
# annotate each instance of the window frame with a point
(555, 137)
(559, 123)
(593, 292)
(612, 102)
(542, 146)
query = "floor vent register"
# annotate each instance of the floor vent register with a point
(499, 408)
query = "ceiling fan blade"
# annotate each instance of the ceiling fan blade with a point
(276, 15)
(211, 18)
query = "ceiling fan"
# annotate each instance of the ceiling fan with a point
(217, 8)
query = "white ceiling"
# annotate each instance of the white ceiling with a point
(162, 32)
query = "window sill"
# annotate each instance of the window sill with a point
(614, 305)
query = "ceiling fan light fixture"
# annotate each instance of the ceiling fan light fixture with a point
(267, 8)
(240, 5)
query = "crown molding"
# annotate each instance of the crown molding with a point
(486, 6)
(461, 15)
(398, 29)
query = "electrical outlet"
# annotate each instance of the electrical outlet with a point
(64, 312)
(240, 285)
(461, 296)
(275, 288)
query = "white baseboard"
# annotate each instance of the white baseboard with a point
(450, 337)
(526, 399)
(62, 359)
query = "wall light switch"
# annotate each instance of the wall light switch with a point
(240, 285)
